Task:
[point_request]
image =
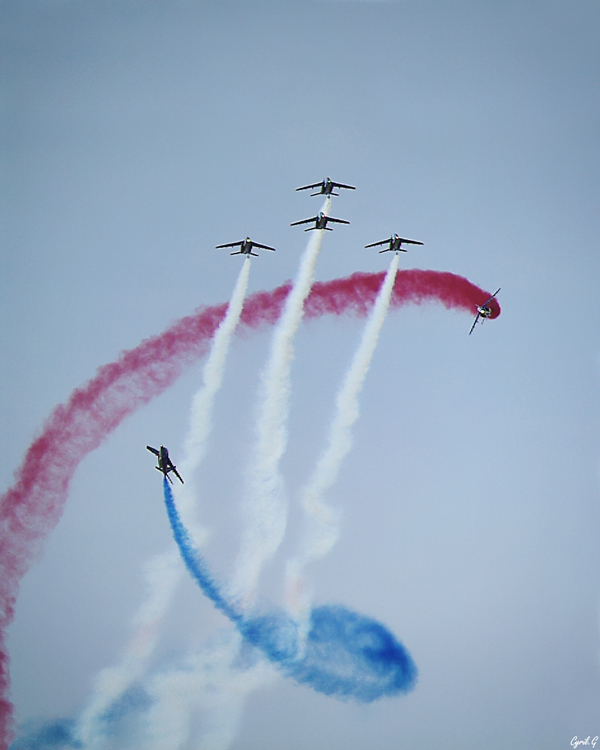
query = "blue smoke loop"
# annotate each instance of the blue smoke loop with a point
(346, 654)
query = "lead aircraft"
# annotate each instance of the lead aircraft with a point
(320, 220)
(164, 462)
(245, 247)
(326, 187)
(395, 243)
(483, 311)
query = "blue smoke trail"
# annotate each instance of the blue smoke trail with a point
(193, 560)
(346, 654)
(57, 735)
(61, 734)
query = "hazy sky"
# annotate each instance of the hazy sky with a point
(136, 136)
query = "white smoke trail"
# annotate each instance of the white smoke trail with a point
(211, 681)
(163, 572)
(323, 528)
(202, 406)
(266, 510)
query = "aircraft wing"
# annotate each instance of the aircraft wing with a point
(264, 247)
(153, 450)
(383, 242)
(171, 467)
(340, 185)
(307, 187)
(410, 242)
(337, 221)
(474, 324)
(304, 221)
(491, 298)
(230, 244)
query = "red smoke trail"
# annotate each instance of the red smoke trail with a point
(32, 507)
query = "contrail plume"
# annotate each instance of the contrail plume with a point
(163, 571)
(323, 529)
(33, 505)
(265, 509)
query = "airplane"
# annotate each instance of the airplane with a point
(326, 187)
(320, 220)
(483, 311)
(245, 247)
(164, 463)
(395, 244)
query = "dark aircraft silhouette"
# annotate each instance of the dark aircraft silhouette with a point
(483, 311)
(326, 187)
(164, 463)
(320, 222)
(394, 244)
(245, 247)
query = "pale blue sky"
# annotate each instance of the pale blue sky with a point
(139, 135)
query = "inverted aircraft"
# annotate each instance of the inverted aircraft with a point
(320, 220)
(245, 247)
(326, 187)
(394, 244)
(483, 311)
(164, 462)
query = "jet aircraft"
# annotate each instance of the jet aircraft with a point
(483, 311)
(394, 244)
(320, 220)
(164, 462)
(245, 247)
(326, 187)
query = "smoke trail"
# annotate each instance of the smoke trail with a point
(323, 532)
(163, 571)
(202, 403)
(266, 510)
(34, 504)
(346, 654)
(215, 680)
(161, 574)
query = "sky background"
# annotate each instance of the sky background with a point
(136, 136)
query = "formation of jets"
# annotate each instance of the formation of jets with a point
(394, 245)
(164, 462)
(483, 311)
